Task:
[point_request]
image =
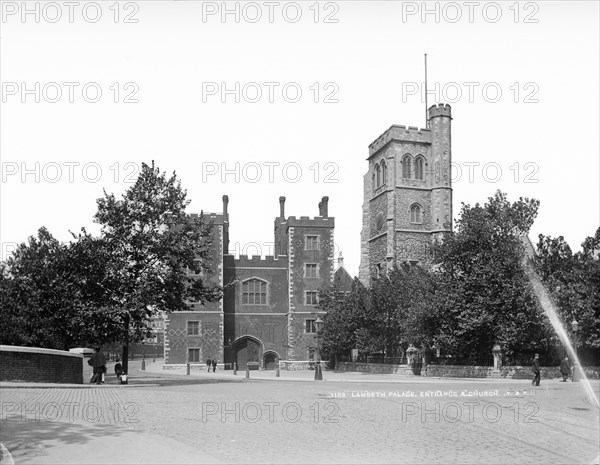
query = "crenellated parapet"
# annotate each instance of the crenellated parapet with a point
(256, 261)
(306, 221)
(400, 133)
(441, 109)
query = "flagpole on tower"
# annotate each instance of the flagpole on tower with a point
(426, 116)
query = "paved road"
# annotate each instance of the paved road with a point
(260, 421)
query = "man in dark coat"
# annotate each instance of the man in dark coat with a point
(214, 365)
(98, 363)
(565, 368)
(208, 364)
(535, 367)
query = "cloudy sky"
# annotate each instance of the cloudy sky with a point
(262, 99)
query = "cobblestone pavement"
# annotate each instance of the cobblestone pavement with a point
(257, 421)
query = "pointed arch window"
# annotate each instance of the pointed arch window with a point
(383, 173)
(419, 167)
(406, 162)
(254, 292)
(378, 175)
(416, 214)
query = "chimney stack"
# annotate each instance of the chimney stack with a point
(323, 207)
(282, 207)
(225, 202)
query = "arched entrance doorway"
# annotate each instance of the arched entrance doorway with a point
(269, 360)
(247, 350)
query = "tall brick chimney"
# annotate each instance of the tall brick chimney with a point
(282, 207)
(225, 202)
(323, 206)
(225, 225)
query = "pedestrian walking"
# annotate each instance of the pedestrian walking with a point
(565, 368)
(214, 365)
(208, 364)
(535, 367)
(98, 363)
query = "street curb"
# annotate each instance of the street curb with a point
(8, 385)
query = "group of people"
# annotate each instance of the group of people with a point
(211, 362)
(565, 369)
(98, 362)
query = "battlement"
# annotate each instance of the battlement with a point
(400, 133)
(256, 260)
(316, 222)
(442, 109)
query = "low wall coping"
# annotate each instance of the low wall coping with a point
(82, 350)
(38, 350)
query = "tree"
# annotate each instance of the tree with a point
(46, 301)
(588, 266)
(416, 295)
(345, 316)
(487, 296)
(396, 310)
(150, 244)
(573, 281)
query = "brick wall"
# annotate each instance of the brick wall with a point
(209, 338)
(36, 365)
(298, 340)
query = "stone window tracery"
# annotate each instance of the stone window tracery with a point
(406, 168)
(254, 292)
(419, 168)
(416, 214)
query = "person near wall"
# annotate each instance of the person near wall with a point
(208, 364)
(214, 365)
(565, 368)
(118, 369)
(535, 367)
(98, 363)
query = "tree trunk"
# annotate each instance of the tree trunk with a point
(125, 360)
(126, 357)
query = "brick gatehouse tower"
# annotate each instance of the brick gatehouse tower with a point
(407, 194)
(269, 308)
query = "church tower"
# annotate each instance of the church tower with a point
(407, 194)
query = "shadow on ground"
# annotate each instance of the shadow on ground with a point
(171, 381)
(27, 440)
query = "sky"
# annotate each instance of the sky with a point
(262, 99)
